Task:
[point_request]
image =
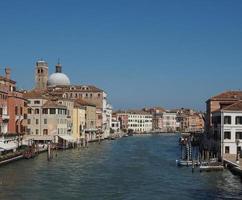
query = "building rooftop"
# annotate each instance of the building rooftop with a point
(228, 95)
(234, 107)
(131, 111)
(53, 104)
(77, 88)
(2, 78)
(34, 94)
(82, 102)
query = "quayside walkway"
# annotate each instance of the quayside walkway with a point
(234, 165)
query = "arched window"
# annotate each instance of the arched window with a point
(36, 111)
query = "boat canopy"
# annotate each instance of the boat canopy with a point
(68, 138)
(8, 146)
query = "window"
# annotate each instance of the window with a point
(52, 111)
(29, 110)
(226, 149)
(45, 111)
(36, 111)
(37, 121)
(36, 102)
(37, 131)
(238, 135)
(29, 121)
(21, 111)
(227, 119)
(16, 110)
(227, 135)
(238, 120)
(45, 132)
(16, 127)
(45, 121)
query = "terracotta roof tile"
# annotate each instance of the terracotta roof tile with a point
(53, 104)
(234, 107)
(228, 95)
(82, 102)
(34, 94)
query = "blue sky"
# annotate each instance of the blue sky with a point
(142, 52)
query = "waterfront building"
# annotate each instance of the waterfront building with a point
(79, 122)
(190, 120)
(91, 131)
(218, 102)
(13, 109)
(123, 118)
(70, 108)
(138, 120)
(157, 117)
(170, 123)
(227, 130)
(4, 117)
(48, 119)
(115, 128)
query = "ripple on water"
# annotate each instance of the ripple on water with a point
(129, 168)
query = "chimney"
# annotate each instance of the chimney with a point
(7, 72)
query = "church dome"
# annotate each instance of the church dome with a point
(58, 78)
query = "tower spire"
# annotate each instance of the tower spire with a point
(58, 68)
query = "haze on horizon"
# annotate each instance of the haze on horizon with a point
(141, 52)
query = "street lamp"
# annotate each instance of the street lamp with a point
(237, 154)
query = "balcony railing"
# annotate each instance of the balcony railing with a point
(5, 117)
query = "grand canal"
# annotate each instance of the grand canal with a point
(138, 167)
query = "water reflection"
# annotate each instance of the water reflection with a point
(131, 168)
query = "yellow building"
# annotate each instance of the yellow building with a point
(79, 121)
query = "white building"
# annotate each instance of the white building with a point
(115, 125)
(227, 129)
(170, 123)
(139, 121)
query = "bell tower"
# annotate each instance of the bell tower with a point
(41, 75)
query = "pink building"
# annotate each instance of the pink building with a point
(122, 117)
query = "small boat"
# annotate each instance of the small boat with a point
(183, 163)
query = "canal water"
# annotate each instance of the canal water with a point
(138, 167)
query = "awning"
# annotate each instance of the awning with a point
(67, 138)
(8, 146)
(40, 137)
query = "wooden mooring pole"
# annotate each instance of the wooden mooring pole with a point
(49, 154)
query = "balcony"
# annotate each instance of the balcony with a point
(5, 117)
(20, 118)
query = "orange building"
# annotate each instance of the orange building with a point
(13, 107)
